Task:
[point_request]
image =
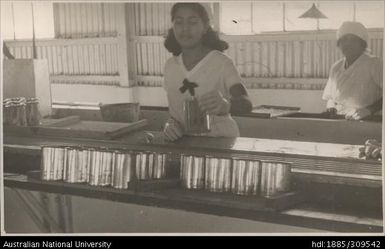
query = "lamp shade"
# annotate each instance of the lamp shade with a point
(314, 13)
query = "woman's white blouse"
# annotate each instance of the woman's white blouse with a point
(355, 87)
(216, 71)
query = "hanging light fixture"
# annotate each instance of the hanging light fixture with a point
(313, 13)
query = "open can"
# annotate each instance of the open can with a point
(196, 121)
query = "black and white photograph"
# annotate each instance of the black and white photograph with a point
(258, 118)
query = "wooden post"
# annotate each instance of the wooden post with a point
(131, 42)
(122, 45)
(131, 48)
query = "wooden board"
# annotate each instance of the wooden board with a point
(271, 111)
(58, 122)
(93, 129)
(72, 126)
(46, 122)
(322, 116)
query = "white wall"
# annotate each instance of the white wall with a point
(91, 93)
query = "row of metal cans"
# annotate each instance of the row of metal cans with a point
(21, 111)
(236, 175)
(101, 167)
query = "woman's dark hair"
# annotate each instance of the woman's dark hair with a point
(210, 39)
(364, 44)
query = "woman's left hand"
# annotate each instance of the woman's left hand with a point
(358, 114)
(214, 103)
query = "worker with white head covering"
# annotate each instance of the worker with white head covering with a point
(354, 87)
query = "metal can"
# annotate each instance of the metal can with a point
(150, 165)
(141, 166)
(6, 113)
(185, 169)
(84, 163)
(106, 168)
(275, 177)
(72, 164)
(196, 121)
(160, 165)
(117, 170)
(283, 176)
(47, 160)
(60, 157)
(218, 174)
(15, 111)
(245, 177)
(32, 112)
(95, 168)
(20, 118)
(127, 169)
(121, 173)
(192, 171)
(90, 163)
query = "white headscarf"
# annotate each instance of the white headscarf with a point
(354, 28)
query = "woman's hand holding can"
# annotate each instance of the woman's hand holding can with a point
(172, 130)
(214, 103)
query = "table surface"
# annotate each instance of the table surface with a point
(289, 148)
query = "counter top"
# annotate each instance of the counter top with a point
(339, 152)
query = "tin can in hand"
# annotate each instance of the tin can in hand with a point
(196, 121)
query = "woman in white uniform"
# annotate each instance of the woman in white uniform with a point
(198, 60)
(354, 88)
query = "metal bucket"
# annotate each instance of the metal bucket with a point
(218, 174)
(245, 176)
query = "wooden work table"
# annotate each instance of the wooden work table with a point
(325, 173)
